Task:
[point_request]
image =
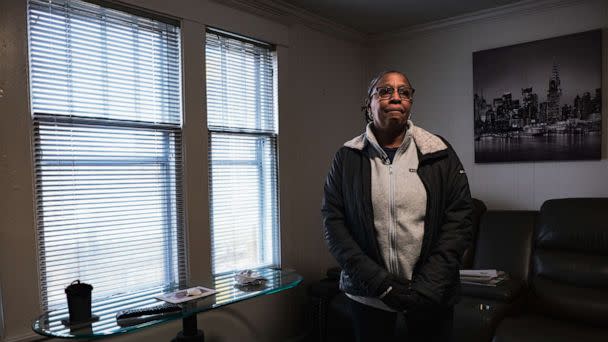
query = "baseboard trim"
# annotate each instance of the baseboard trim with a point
(29, 337)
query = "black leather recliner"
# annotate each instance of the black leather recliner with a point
(568, 297)
(504, 243)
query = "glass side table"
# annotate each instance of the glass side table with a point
(49, 324)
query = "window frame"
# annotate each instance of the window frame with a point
(271, 135)
(174, 222)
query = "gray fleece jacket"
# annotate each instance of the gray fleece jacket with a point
(399, 205)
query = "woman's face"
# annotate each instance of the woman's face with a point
(391, 112)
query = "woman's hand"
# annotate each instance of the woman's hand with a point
(394, 293)
(400, 297)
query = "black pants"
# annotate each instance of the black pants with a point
(371, 324)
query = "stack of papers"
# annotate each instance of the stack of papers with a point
(482, 277)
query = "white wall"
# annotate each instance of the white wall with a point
(438, 61)
(320, 83)
(325, 83)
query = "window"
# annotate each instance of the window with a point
(242, 128)
(106, 106)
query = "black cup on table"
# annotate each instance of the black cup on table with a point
(79, 302)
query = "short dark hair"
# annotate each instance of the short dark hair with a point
(370, 90)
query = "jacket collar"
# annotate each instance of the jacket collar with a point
(426, 142)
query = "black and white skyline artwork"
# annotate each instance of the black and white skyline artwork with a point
(539, 101)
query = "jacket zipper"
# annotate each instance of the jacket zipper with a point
(392, 230)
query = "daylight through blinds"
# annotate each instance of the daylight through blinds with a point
(242, 153)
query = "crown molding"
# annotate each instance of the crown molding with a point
(525, 7)
(289, 14)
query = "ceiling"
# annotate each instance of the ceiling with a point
(377, 16)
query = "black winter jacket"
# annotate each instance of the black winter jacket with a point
(349, 224)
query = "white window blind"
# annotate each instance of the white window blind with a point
(106, 104)
(242, 124)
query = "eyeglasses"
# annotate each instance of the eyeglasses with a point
(405, 93)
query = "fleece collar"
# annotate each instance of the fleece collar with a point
(425, 141)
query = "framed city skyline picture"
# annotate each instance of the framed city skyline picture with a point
(539, 101)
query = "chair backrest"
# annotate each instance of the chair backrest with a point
(505, 242)
(479, 208)
(570, 260)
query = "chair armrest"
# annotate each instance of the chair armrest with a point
(507, 291)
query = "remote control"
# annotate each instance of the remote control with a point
(140, 315)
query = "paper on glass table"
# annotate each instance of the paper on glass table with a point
(185, 295)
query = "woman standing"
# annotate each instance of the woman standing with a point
(397, 217)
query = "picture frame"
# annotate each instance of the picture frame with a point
(539, 101)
